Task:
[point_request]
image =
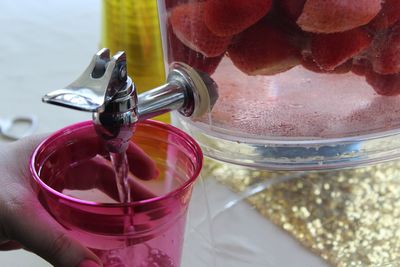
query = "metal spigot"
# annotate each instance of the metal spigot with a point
(106, 90)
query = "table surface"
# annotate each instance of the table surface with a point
(46, 44)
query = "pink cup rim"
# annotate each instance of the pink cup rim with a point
(74, 127)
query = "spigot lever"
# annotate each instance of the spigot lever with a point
(96, 86)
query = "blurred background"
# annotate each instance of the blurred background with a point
(44, 45)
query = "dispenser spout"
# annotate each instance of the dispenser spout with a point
(190, 92)
(106, 90)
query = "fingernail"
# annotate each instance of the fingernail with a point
(88, 263)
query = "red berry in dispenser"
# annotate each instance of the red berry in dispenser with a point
(291, 8)
(384, 55)
(173, 3)
(263, 49)
(331, 50)
(388, 16)
(308, 63)
(177, 51)
(387, 85)
(230, 17)
(360, 66)
(187, 21)
(329, 16)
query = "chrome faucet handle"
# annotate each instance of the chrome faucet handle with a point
(96, 86)
(105, 89)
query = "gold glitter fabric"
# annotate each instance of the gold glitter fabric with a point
(350, 217)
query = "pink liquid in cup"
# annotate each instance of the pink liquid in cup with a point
(76, 183)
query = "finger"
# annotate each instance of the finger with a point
(89, 174)
(140, 191)
(37, 231)
(140, 164)
(29, 143)
(22, 148)
(97, 173)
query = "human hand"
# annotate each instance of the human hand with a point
(96, 172)
(24, 223)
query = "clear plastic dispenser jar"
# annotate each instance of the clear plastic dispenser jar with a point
(303, 144)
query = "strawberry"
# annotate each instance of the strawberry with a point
(291, 8)
(177, 51)
(388, 16)
(385, 56)
(172, 3)
(263, 49)
(332, 50)
(308, 63)
(387, 85)
(230, 17)
(329, 16)
(187, 22)
(343, 68)
(360, 66)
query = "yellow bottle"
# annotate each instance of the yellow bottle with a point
(132, 26)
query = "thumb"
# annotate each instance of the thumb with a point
(38, 232)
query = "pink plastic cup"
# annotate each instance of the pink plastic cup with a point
(75, 183)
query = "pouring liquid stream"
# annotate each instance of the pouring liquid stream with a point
(120, 164)
(121, 168)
